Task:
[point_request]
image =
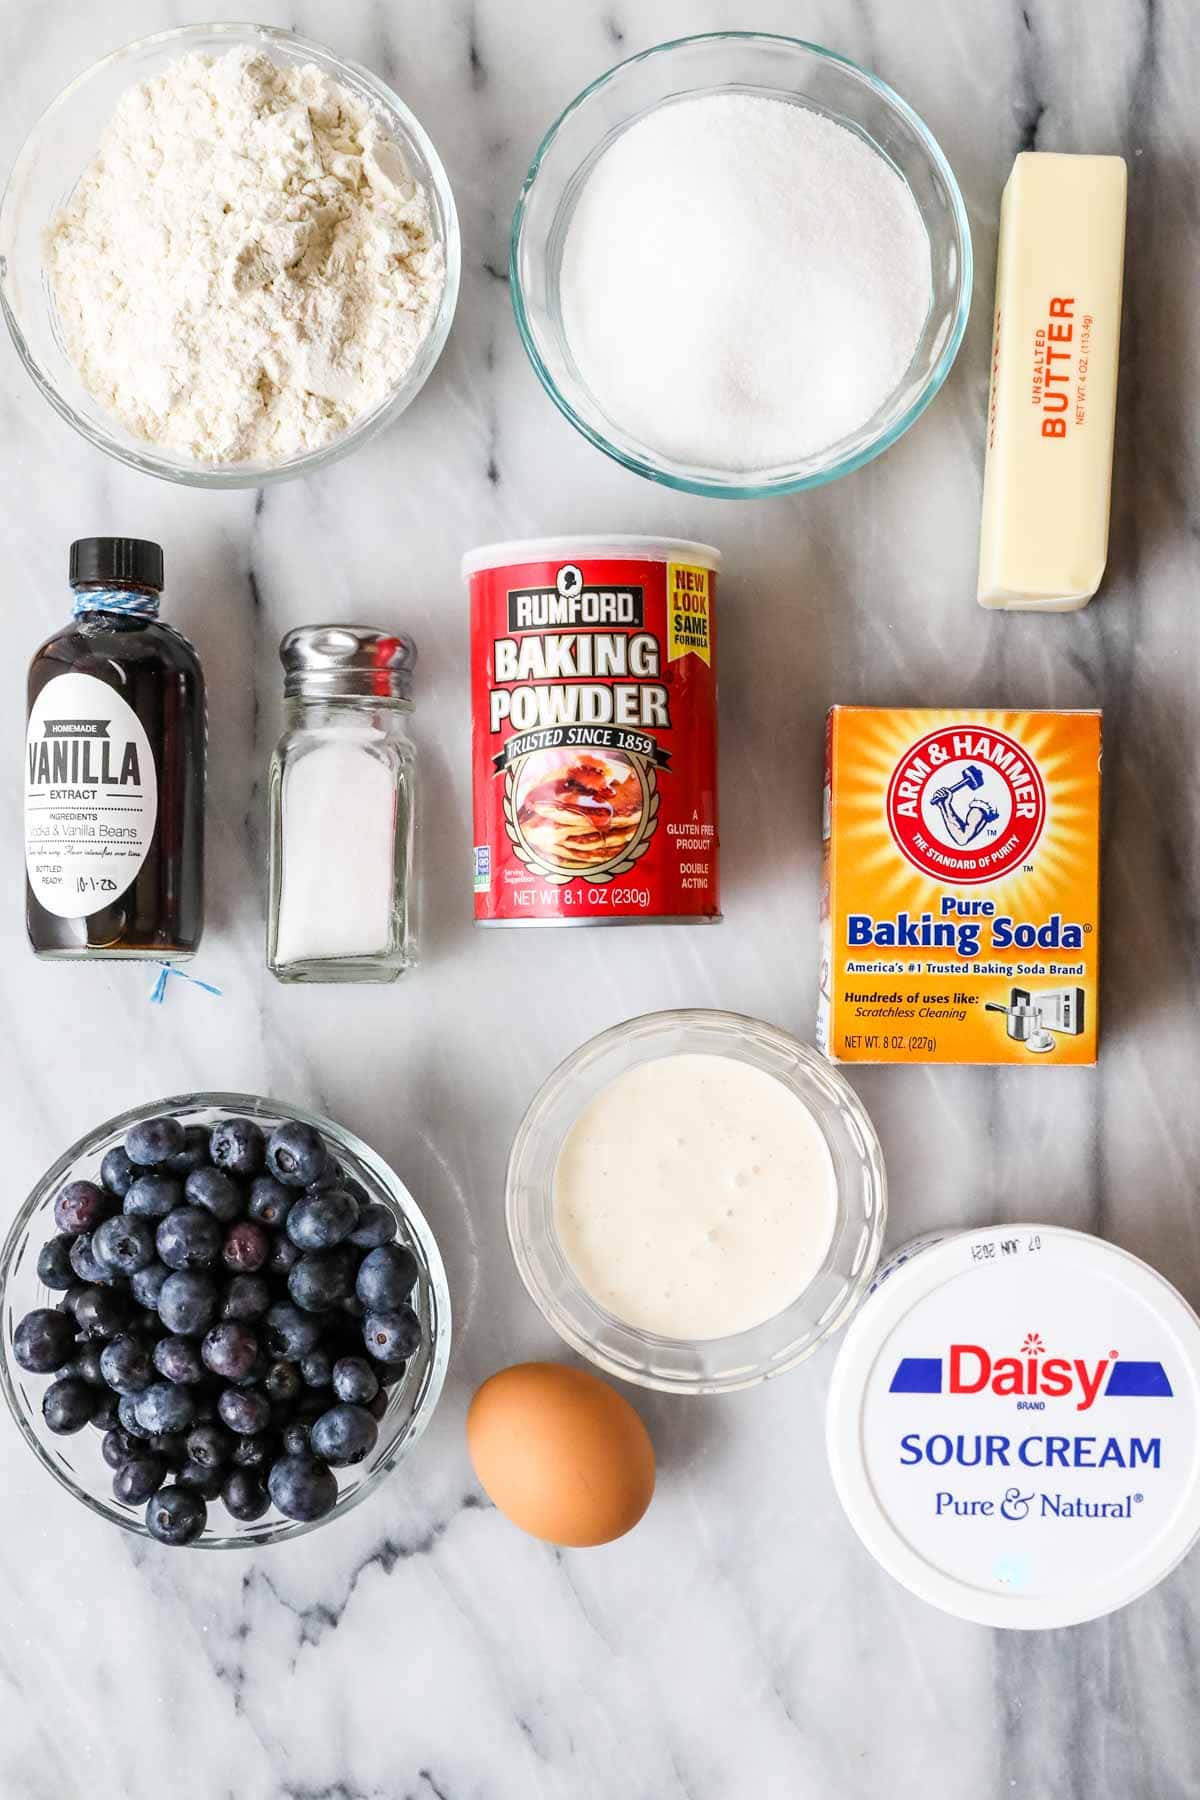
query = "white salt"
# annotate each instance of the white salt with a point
(338, 820)
(743, 281)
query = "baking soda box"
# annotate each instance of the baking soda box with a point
(960, 898)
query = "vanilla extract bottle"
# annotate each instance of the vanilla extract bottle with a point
(114, 769)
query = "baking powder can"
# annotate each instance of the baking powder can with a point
(594, 731)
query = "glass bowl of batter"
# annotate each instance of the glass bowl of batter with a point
(696, 1200)
(44, 179)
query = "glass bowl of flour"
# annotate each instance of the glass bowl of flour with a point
(696, 1201)
(228, 256)
(741, 265)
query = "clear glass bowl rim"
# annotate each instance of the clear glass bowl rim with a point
(247, 1105)
(875, 1171)
(729, 490)
(244, 475)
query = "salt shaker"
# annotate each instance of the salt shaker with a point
(342, 792)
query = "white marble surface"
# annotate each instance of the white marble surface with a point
(740, 1645)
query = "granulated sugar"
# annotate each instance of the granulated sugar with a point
(743, 281)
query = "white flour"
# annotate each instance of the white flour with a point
(743, 281)
(247, 265)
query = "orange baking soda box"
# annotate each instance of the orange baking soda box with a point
(961, 890)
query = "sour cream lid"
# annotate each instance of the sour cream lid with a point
(1014, 1424)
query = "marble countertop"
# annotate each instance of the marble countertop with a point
(740, 1645)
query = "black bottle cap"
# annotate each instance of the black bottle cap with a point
(117, 562)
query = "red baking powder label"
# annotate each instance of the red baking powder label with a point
(593, 693)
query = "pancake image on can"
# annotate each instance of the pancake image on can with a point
(581, 812)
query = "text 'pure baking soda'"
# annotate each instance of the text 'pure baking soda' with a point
(960, 901)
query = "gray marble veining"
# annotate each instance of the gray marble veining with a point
(740, 1645)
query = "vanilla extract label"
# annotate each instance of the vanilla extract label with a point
(91, 796)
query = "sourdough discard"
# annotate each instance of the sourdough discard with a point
(248, 264)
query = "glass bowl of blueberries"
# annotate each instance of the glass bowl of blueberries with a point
(222, 1321)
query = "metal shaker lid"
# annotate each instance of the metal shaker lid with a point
(332, 660)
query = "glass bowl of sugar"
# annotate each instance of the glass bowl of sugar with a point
(741, 265)
(696, 1201)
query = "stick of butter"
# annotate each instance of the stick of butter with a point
(1047, 481)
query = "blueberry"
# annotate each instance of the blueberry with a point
(354, 1380)
(153, 1196)
(321, 1279)
(246, 1297)
(189, 1238)
(237, 1145)
(376, 1226)
(284, 1255)
(101, 1312)
(353, 1307)
(316, 1369)
(270, 1202)
(164, 1408)
(178, 1359)
(194, 1154)
(243, 1411)
(344, 1435)
(302, 1488)
(72, 1297)
(68, 1405)
(386, 1277)
(322, 1220)
(245, 1495)
(199, 1480)
(137, 1479)
(290, 1333)
(392, 1336)
(176, 1516)
(44, 1341)
(170, 1445)
(296, 1154)
(116, 1171)
(282, 1382)
(86, 1264)
(127, 1416)
(117, 1446)
(253, 1451)
(379, 1405)
(188, 1302)
(54, 1264)
(146, 1285)
(216, 1192)
(106, 1416)
(209, 1446)
(152, 1142)
(294, 1438)
(80, 1207)
(123, 1245)
(230, 1350)
(245, 1248)
(125, 1365)
(85, 1366)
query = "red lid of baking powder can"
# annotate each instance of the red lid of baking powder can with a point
(594, 731)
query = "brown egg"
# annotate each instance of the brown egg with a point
(561, 1453)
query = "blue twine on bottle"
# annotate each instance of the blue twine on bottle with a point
(118, 600)
(159, 991)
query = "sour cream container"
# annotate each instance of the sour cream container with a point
(1013, 1424)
